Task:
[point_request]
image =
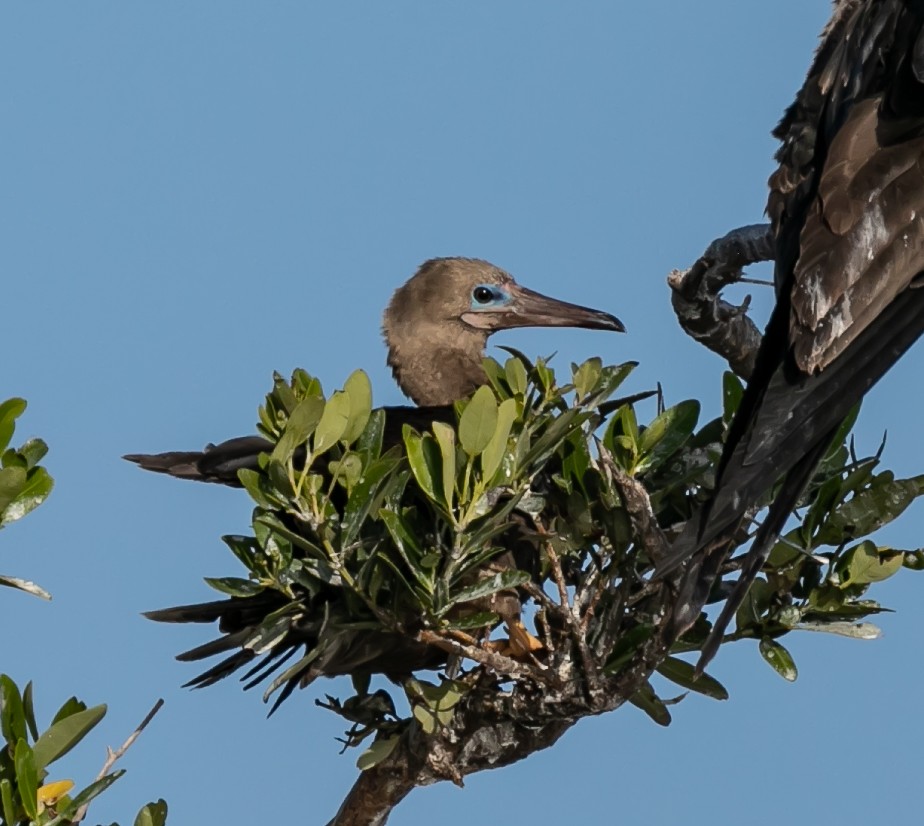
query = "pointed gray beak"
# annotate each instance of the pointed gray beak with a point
(528, 308)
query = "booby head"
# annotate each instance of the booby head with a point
(437, 324)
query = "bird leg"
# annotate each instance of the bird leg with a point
(722, 327)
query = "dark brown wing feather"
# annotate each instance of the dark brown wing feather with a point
(846, 205)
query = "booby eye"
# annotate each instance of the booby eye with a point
(484, 295)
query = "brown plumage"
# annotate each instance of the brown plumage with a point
(435, 327)
(847, 208)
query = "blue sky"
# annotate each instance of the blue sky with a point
(197, 194)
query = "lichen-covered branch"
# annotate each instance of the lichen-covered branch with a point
(722, 327)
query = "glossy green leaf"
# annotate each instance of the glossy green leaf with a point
(94, 790)
(420, 461)
(29, 710)
(478, 421)
(732, 392)
(683, 673)
(153, 814)
(649, 702)
(7, 803)
(26, 777)
(70, 706)
(10, 410)
(667, 434)
(12, 712)
(779, 659)
(63, 735)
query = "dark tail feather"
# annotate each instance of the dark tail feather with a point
(786, 418)
(217, 463)
(767, 535)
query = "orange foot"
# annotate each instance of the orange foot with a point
(519, 645)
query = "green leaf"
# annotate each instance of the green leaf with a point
(586, 376)
(493, 456)
(866, 563)
(12, 712)
(516, 376)
(26, 778)
(732, 392)
(29, 710)
(303, 421)
(870, 509)
(234, 586)
(487, 586)
(779, 658)
(10, 410)
(6, 801)
(365, 497)
(334, 421)
(478, 421)
(380, 750)
(427, 719)
(420, 460)
(153, 814)
(446, 438)
(70, 706)
(62, 736)
(649, 702)
(359, 390)
(12, 482)
(667, 434)
(681, 672)
(96, 788)
(36, 489)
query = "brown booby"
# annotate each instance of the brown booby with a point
(435, 328)
(847, 212)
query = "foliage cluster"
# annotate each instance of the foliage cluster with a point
(360, 536)
(27, 797)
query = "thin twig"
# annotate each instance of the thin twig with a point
(113, 756)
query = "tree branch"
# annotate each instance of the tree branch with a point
(722, 327)
(492, 728)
